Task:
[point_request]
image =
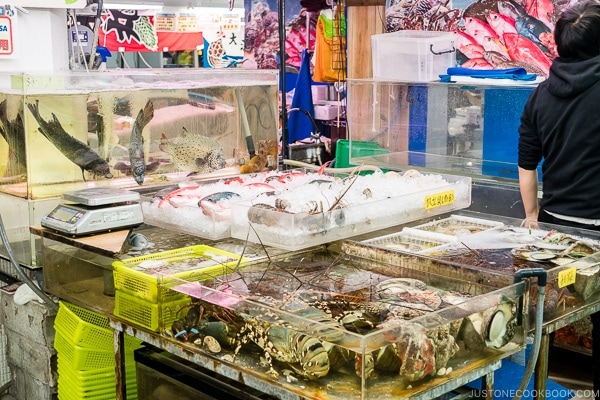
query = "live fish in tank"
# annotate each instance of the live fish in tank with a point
(136, 144)
(194, 153)
(78, 152)
(13, 132)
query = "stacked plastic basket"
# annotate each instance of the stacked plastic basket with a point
(144, 284)
(84, 342)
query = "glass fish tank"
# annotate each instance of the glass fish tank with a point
(489, 249)
(324, 325)
(467, 129)
(127, 129)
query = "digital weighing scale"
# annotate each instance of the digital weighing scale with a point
(95, 210)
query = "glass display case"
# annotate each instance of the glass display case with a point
(321, 324)
(489, 250)
(127, 129)
(466, 129)
(65, 132)
(326, 210)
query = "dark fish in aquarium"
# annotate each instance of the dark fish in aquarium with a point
(136, 142)
(75, 150)
(126, 168)
(102, 139)
(13, 133)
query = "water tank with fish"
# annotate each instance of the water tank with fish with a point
(70, 131)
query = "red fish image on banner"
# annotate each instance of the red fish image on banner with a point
(490, 34)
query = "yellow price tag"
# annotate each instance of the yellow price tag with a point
(439, 199)
(567, 277)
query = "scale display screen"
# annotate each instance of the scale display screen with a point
(66, 214)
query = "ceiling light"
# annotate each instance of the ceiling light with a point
(131, 6)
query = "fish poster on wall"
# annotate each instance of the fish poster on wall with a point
(129, 30)
(223, 38)
(490, 34)
(261, 37)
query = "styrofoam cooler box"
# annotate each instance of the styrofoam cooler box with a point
(412, 55)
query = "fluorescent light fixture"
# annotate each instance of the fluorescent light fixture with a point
(131, 6)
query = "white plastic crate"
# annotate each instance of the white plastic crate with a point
(409, 240)
(412, 55)
(456, 226)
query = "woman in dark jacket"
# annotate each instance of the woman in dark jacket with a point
(560, 125)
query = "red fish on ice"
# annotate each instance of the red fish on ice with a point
(495, 45)
(467, 45)
(477, 63)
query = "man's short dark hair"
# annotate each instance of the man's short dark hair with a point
(577, 31)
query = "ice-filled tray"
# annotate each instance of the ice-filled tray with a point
(456, 226)
(323, 212)
(204, 208)
(326, 325)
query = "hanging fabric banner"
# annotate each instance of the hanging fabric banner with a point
(300, 125)
(126, 30)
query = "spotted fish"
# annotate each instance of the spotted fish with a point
(136, 143)
(194, 153)
(75, 150)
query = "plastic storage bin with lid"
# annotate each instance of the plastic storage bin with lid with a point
(409, 55)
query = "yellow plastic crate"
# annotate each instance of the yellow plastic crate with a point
(95, 380)
(86, 328)
(68, 392)
(82, 358)
(152, 283)
(146, 314)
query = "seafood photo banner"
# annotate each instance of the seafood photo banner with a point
(490, 34)
(127, 30)
(261, 35)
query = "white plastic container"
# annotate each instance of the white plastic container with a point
(412, 55)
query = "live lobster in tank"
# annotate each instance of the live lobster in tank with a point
(304, 329)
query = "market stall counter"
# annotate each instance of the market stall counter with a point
(339, 308)
(354, 370)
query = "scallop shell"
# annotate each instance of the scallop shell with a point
(212, 344)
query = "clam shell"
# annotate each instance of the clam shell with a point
(497, 327)
(212, 344)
